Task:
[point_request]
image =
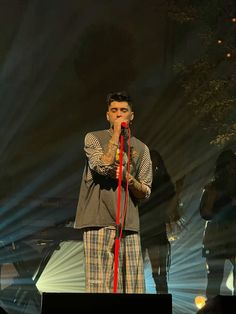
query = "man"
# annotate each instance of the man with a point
(99, 199)
(218, 208)
(157, 214)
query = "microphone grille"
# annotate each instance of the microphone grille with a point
(124, 125)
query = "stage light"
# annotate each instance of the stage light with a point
(230, 281)
(64, 271)
(200, 301)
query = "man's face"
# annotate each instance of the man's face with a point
(118, 109)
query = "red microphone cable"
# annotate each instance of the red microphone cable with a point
(119, 226)
(127, 186)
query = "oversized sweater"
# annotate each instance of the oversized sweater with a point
(97, 204)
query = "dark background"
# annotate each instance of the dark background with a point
(58, 61)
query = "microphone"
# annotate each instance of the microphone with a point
(124, 125)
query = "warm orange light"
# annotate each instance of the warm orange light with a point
(229, 55)
(200, 301)
(219, 41)
(234, 19)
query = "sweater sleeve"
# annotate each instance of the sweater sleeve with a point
(94, 153)
(145, 172)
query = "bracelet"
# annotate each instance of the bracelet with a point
(113, 143)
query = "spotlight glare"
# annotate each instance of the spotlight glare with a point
(200, 301)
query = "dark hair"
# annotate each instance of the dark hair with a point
(225, 158)
(225, 171)
(161, 177)
(119, 96)
(157, 159)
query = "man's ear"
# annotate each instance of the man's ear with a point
(108, 119)
(132, 116)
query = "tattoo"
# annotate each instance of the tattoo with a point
(109, 155)
(138, 189)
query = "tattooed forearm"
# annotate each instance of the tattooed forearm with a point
(109, 155)
(138, 189)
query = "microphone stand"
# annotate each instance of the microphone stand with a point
(118, 225)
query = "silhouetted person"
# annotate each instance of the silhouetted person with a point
(218, 207)
(158, 212)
